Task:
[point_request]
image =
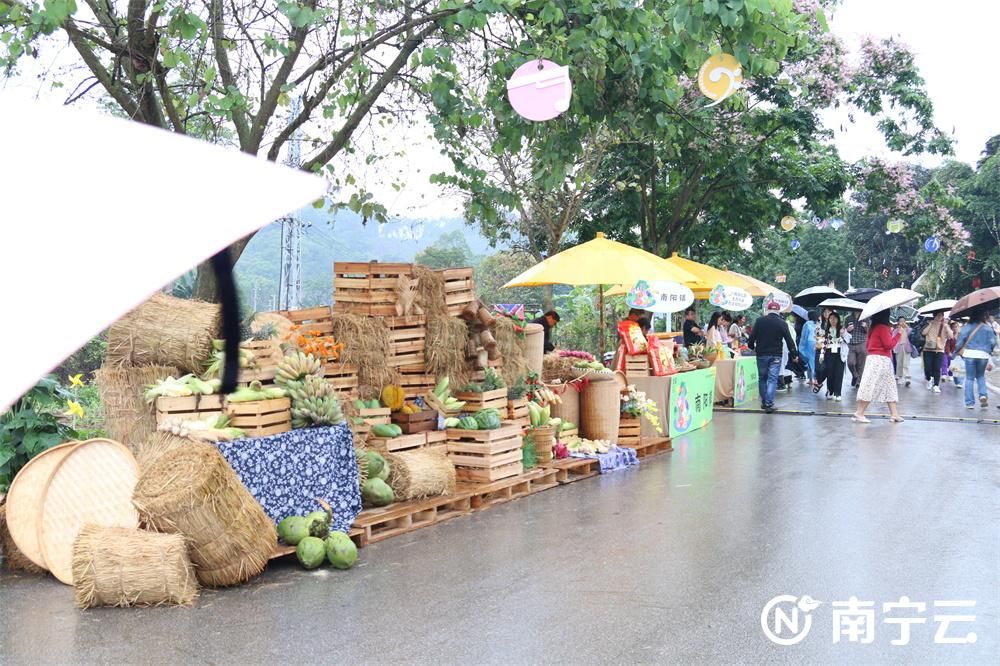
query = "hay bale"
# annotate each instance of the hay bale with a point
(421, 473)
(165, 331)
(118, 566)
(430, 292)
(156, 445)
(128, 418)
(366, 345)
(444, 350)
(192, 490)
(12, 556)
(558, 367)
(511, 348)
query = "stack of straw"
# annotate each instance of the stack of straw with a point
(128, 418)
(366, 345)
(420, 473)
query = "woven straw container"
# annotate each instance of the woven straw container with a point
(600, 411)
(192, 490)
(569, 410)
(13, 558)
(117, 566)
(534, 347)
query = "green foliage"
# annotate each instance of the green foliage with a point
(496, 270)
(85, 360)
(451, 250)
(32, 425)
(579, 328)
(518, 390)
(529, 454)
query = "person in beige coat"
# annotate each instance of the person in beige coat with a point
(936, 334)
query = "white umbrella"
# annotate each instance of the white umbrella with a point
(888, 300)
(813, 295)
(121, 209)
(843, 304)
(938, 306)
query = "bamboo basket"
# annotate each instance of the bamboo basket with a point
(600, 411)
(534, 347)
(569, 410)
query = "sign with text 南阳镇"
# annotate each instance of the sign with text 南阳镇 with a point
(691, 399)
(745, 383)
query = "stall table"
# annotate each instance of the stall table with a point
(684, 400)
(736, 380)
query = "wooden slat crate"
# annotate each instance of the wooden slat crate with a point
(263, 375)
(637, 366)
(318, 319)
(367, 288)
(419, 422)
(401, 443)
(261, 418)
(459, 288)
(480, 375)
(544, 439)
(475, 402)
(437, 439)
(343, 377)
(482, 456)
(566, 435)
(415, 380)
(629, 430)
(371, 416)
(266, 353)
(408, 335)
(517, 411)
(188, 408)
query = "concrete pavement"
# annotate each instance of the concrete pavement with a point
(671, 562)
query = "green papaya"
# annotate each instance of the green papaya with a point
(385, 430)
(376, 492)
(376, 463)
(396, 429)
(360, 404)
(374, 404)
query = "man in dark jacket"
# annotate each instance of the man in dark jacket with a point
(548, 321)
(766, 338)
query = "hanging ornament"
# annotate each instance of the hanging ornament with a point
(719, 77)
(836, 223)
(780, 278)
(932, 244)
(795, 244)
(788, 223)
(972, 255)
(885, 272)
(913, 274)
(540, 90)
(894, 226)
(823, 224)
(815, 221)
(976, 282)
(897, 270)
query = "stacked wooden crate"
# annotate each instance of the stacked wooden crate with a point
(483, 456)
(476, 402)
(312, 320)
(367, 288)
(258, 418)
(637, 366)
(459, 288)
(414, 423)
(408, 335)
(416, 381)
(517, 411)
(629, 430)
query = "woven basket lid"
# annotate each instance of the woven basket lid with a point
(25, 496)
(92, 484)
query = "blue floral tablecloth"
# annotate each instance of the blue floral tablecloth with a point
(286, 472)
(619, 457)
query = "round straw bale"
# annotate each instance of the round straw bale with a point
(511, 348)
(430, 291)
(193, 491)
(118, 566)
(12, 556)
(128, 418)
(421, 473)
(366, 343)
(445, 349)
(165, 331)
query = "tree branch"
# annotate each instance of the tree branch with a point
(78, 39)
(226, 73)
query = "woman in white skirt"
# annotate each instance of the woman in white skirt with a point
(878, 380)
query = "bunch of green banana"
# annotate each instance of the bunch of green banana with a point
(296, 367)
(318, 411)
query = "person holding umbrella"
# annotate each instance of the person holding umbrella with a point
(976, 342)
(936, 333)
(807, 345)
(857, 348)
(903, 351)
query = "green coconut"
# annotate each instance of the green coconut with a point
(341, 551)
(319, 523)
(376, 463)
(310, 552)
(296, 529)
(376, 492)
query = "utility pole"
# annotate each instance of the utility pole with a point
(290, 273)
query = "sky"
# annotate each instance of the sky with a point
(953, 43)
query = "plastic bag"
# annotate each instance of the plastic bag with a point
(632, 338)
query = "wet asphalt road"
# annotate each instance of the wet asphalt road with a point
(670, 562)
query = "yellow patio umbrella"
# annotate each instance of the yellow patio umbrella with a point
(601, 261)
(757, 288)
(707, 278)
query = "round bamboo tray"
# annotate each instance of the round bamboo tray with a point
(92, 484)
(26, 495)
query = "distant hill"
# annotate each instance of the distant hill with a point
(327, 239)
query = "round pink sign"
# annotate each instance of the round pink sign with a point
(540, 90)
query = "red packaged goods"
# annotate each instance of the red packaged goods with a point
(632, 337)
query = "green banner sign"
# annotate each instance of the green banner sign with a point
(746, 389)
(691, 397)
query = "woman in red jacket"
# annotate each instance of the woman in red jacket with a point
(878, 380)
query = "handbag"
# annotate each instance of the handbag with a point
(958, 352)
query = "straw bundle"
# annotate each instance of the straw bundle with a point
(558, 367)
(511, 348)
(444, 351)
(430, 291)
(421, 473)
(165, 331)
(128, 418)
(366, 345)
(193, 491)
(118, 566)
(159, 443)
(12, 556)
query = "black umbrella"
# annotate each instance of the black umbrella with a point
(813, 296)
(863, 295)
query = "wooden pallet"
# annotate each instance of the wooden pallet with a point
(374, 525)
(650, 446)
(407, 339)
(261, 418)
(476, 402)
(629, 430)
(367, 288)
(459, 289)
(419, 422)
(397, 444)
(569, 470)
(486, 495)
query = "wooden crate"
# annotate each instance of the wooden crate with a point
(437, 439)
(517, 411)
(261, 418)
(188, 408)
(488, 474)
(483, 456)
(629, 430)
(266, 353)
(408, 335)
(373, 417)
(396, 444)
(263, 375)
(566, 435)
(544, 439)
(318, 319)
(459, 289)
(367, 288)
(419, 422)
(415, 380)
(637, 366)
(475, 402)
(343, 377)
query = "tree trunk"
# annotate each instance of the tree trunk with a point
(206, 287)
(548, 300)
